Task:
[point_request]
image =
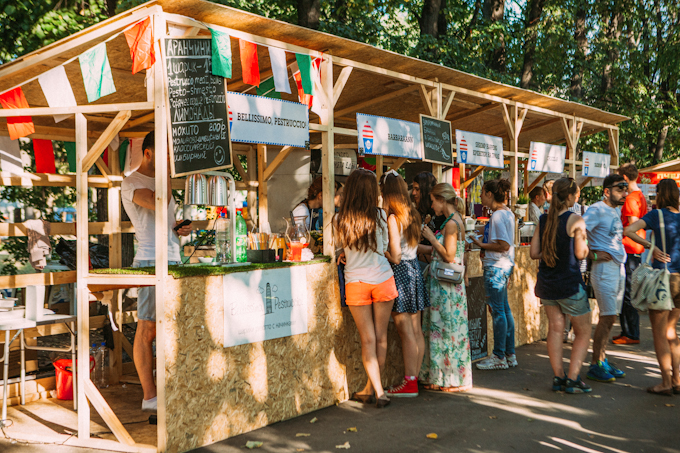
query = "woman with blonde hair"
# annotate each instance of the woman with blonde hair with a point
(447, 365)
(413, 296)
(363, 233)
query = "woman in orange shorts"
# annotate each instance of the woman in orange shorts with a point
(370, 290)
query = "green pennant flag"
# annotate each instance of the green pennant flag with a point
(221, 54)
(305, 65)
(96, 70)
(70, 148)
(122, 151)
(268, 90)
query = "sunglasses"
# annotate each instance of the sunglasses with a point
(621, 185)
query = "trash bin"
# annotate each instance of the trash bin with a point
(64, 371)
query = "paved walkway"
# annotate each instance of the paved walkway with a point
(507, 411)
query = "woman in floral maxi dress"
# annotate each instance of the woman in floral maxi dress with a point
(447, 365)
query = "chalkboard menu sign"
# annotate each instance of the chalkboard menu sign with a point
(476, 300)
(436, 137)
(197, 108)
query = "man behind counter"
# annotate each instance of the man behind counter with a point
(138, 195)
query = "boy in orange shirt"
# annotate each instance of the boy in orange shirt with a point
(634, 209)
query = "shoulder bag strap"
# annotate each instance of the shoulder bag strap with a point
(663, 234)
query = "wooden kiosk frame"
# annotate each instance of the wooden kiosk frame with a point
(354, 77)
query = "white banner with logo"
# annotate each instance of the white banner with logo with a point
(264, 304)
(545, 157)
(479, 149)
(256, 119)
(388, 137)
(595, 165)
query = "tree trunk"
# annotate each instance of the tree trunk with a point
(533, 17)
(309, 13)
(473, 21)
(494, 11)
(111, 7)
(612, 26)
(339, 11)
(580, 55)
(429, 18)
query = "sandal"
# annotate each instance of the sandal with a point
(665, 392)
(459, 389)
(382, 402)
(360, 398)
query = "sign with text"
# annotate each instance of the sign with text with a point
(197, 108)
(595, 165)
(545, 157)
(257, 119)
(388, 137)
(479, 149)
(477, 321)
(264, 304)
(436, 135)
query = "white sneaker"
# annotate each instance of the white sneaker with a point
(512, 360)
(493, 363)
(150, 405)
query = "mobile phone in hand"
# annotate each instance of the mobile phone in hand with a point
(180, 225)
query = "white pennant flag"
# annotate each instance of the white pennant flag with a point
(57, 90)
(279, 69)
(10, 156)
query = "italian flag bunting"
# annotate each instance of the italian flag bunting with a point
(140, 41)
(249, 65)
(268, 90)
(221, 54)
(18, 126)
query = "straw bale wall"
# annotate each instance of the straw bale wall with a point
(213, 393)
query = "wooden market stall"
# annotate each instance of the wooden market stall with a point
(207, 392)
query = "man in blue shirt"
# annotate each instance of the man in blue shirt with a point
(608, 275)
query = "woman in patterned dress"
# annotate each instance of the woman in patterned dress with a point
(447, 365)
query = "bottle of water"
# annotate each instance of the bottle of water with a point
(102, 364)
(222, 248)
(241, 239)
(95, 372)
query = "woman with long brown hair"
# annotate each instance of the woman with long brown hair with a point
(560, 243)
(413, 297)
(664, 323)
(447, 365)
(362, 231)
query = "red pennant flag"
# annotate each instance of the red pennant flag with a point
(140, 41)
(302, 97)
(105, 156)
(249, 65)
(44, 156)
(19, 126)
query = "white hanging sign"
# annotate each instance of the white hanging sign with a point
(388, 137)
(479, 149)
(595, 165)
(257, 119)
(545, 157)
(264, 304)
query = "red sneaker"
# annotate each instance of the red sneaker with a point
(625, 340)
(407, 389)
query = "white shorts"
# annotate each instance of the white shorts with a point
(609, 283)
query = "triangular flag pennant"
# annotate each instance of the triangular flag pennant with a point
(249, 65)
(221, 54)
(44, 156)
(279, 69)
(140, 41)
(70, 148)
(10, 156)
(302, 97)
(18, 126)
(122, 153)
(94, 65)
(316, 78)
(305, 65)
(57, 90)
(267, 89)
(105, 156)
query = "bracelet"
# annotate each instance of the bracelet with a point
(594, 256)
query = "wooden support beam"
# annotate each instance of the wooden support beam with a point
(104, 410)
(379, 166)
(239, 168)
(540, 125)
(447, 103)
(482, 109)
(94, 108)
(613, 135)
(24, 280)
(425, 97)
(104, 139)
(398, 163)
(101, 165)
(536, 182)
(383, 98)
(585, 182)
(340, 83)
(278, 160)
(473, 175)
(139, 121)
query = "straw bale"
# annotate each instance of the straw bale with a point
(213, 393)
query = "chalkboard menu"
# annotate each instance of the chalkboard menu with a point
(197, 108)
(476, 300)
(436, 137)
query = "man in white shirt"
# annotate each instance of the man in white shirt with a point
(138, 196)
(537, 196)
(608, 275)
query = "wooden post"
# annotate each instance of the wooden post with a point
(262, 187)
(82, 269)
(115, 261)
(513, 122)
(162, 199)
(251, 159)
(328, 156)
(614, 145)
(379, 166)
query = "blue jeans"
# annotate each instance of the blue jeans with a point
(496, 286)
